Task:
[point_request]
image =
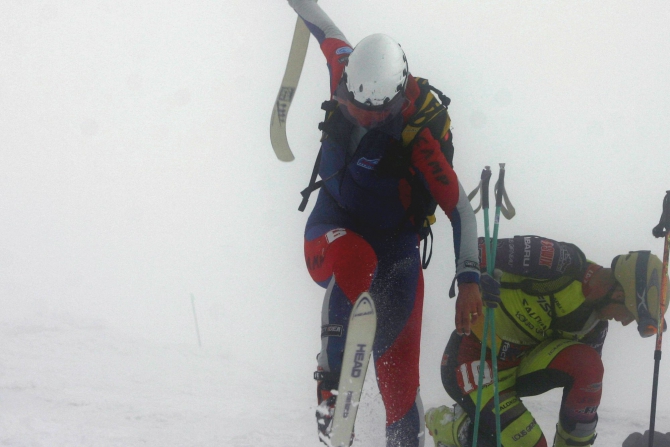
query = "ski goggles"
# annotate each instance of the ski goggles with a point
(368, 115)
(639, 273)
(649, 327)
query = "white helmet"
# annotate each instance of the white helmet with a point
(374, 80)
(377, 70)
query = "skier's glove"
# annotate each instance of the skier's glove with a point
(491, 288)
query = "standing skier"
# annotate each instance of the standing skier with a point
(551, 321)
(363, 234)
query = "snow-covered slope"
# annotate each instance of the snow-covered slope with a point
(136, 170)
(66, 382)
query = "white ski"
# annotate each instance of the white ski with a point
(357, 351)
(289, 84)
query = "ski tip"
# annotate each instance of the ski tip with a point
(365, 305)
(280, 143)
(286, 158)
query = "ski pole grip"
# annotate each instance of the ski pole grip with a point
(661, 230)
(500, 185)
(486, 177)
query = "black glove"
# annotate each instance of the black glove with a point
(491, 288)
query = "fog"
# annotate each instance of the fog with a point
(136, 170)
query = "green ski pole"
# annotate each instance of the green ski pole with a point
(489, 317)
(490, 267)
(485, 178)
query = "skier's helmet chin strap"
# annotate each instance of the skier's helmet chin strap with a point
(366, 115)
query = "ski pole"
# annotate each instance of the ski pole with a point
(660, 230)
(490, 266)
(489, 317)
(484, 185)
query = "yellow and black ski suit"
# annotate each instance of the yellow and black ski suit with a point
(548, 336)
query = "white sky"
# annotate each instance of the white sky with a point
(136, 167)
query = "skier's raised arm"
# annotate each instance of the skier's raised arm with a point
(333, 44)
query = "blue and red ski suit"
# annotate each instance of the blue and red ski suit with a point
(358, 238)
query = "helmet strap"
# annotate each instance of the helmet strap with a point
(607, 298)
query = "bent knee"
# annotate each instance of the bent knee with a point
(580, 361)
(344, 254)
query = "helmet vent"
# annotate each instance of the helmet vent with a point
(360, 88)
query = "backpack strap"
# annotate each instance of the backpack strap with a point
(425, 260)
(326, 127)
(429, 110)
(539, 287)
(313, 184)
(443, 98)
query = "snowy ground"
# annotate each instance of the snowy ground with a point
(74, 383)
(66, 382)
(136, 170)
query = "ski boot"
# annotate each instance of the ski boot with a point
(581, 435)
(324, 418)
(449, 427)
(326, 391)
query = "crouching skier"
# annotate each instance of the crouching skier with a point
(381, 165)
(551, 321)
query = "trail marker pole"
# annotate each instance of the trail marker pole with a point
(195, 319)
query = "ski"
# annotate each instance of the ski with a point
(289, 84)
(357, 351)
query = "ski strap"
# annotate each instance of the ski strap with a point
(506, 207)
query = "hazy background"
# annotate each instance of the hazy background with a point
(136, 167)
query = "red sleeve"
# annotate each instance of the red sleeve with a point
(440, 176)
(337, 52)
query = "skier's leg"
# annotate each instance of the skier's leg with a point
(398, 293)
(579, 370)
(345, 263)
(460, 367)
(341, 261)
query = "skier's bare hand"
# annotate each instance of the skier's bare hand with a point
(468, 307)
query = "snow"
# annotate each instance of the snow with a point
(136, 172)
(67, 382)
